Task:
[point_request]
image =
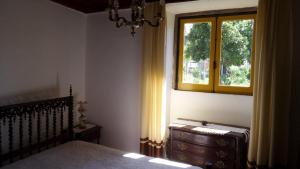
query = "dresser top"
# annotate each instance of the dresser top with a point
(209, 128)
(77, 129)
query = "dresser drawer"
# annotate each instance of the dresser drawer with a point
(208, 152)
(199, 160)
(228, 151)
(212, 141)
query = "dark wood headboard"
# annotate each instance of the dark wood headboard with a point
(29, 128)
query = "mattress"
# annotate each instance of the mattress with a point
(83, 155)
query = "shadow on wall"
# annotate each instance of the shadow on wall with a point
(29, 96)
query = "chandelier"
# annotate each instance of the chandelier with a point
(137, 15)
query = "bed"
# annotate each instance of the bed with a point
(83, 155)
(39, 135)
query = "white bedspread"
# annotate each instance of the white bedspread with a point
(83, 155)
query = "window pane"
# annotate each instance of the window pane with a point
(196, 57)
(236, 52)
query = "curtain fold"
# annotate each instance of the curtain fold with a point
(272, 85)
(153, 84)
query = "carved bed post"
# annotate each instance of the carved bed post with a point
(10, 135)
(71, 115)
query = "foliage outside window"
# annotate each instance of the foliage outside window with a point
(216, 54)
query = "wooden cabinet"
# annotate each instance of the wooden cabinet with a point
(222, 151)
(91, 133)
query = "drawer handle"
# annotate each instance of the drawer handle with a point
(200, 162)
(220, 164)
(181, 135)
(182, 146)
(181, 157)
(222, 142)
(221, 154)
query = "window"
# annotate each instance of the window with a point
(216, 54)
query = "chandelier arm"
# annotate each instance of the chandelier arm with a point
(156, 24)
(121, 21)
(133, 15)
(132, 31)
(111, 16)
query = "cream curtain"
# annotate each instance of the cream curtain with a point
(272, 86)
(153, 82)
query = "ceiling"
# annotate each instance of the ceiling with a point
(90, 6)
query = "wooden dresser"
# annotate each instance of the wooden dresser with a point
(202, 148)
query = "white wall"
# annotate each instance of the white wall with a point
(42, 50)
(221, 108)
(113, 81)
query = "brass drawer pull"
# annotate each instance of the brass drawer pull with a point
(200, 162)
(222, 142)
(221, 154)
(181, 157)
(220, 164)
(182, 146)
(181, 135)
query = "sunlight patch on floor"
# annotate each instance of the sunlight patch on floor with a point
(169, 163)
(133, 155)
